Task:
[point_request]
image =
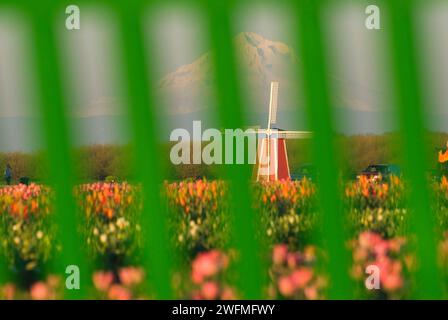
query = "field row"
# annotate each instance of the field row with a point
(199, 220)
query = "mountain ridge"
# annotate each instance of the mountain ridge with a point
(189, 88)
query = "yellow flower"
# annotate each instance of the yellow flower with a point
(103, 238)
(111, 227)
(121, 223)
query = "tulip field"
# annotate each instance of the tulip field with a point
(109, 216)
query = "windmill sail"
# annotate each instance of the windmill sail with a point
(273, 103)
(280, 134)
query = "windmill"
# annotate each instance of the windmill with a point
(272, 157)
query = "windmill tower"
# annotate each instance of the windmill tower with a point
(272, 157)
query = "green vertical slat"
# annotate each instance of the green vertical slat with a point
(325, 153)
(410, 110)
(147, 155)
(231, 116)
(4, 272)
(53, 108)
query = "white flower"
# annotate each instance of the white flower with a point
(103, 238)
(39, 234)
(193, 229)
(122, 223)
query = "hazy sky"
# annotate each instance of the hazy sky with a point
(14, 67)
(17, 91)
(93, 75)
(433, 35)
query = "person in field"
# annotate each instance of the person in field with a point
(8, 174)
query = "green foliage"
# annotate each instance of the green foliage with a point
(440, 203)
(199, 216)
(110, 213)
(27, 230)
(111, 179)
(32, 165)
(376, 206)
(288, 211)
(386, 222)
(96, 162)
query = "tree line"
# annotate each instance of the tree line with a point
(98, 162)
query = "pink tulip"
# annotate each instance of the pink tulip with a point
(117, 292)
(301, 277)
(39, 291)
(384, 264)
(102, 280)
(131, 276)
(286, 286)
(392, 282)
(311, 293)
(369, 239)
(279, 253)
(291, 259)
(197, 277)
(210, 290)
(206, 264)
(381, 248)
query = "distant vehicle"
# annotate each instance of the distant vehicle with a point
(24, 180)
(305, 171)
(383, 171)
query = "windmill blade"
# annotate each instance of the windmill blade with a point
(261, 132)
(292, 134)
(273, 103)
(277, 134)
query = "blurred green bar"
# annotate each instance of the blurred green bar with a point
(325, 154)
(230, 111)
(147, 152)
(4, 272)
(410, 109)
(53, 111)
